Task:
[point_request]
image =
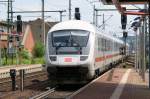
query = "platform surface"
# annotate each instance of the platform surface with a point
(116, 84)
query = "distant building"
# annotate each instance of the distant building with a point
(3, 35)
(32, 33)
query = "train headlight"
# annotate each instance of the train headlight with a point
(53, 58)
(83, 58)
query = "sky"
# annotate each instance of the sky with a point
(113, 25)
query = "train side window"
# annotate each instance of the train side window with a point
(111, 49)
(115, 46)
(106, 48)
(107, 45)
(103, 44)
(99, 44)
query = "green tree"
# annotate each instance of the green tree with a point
(38, 50)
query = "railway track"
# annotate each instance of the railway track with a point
(5, 83)
(43, 94)
(59, 92)
(37, 89)
(130, 61)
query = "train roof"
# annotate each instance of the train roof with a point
(73, 24)
(81, 25)
(109, 36)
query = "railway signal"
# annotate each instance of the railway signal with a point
(124, 20)
(19, 29)
(125, 34)
(77, 14)
(13, 78)
(19, 24)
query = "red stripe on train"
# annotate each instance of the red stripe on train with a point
(99, 59)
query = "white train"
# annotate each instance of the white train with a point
(76, 52)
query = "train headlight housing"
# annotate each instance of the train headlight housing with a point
(83, 58)
(53, 58)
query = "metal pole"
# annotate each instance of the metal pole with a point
(8, 24)
(146, 37)
(149, 43)
(0, 52)
(143, 50)
(69, 9)
(96, 19)
(61, 16)
(11, 11)
(103, 22)
(38, 11)
(140, 49)
(22, 73)
(125, 48)
(43, 22)
(94, 14)
(136, 51)
(113, 9)
(8, 17)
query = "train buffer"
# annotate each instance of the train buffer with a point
(117, 83)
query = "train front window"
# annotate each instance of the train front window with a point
(70, 38)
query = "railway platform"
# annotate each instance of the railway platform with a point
(117, 83)
(4, 71)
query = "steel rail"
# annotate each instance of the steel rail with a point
(43, 95)
(28, 76)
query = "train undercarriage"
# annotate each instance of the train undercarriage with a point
(67, 75)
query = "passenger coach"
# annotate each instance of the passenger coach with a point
(76, 52)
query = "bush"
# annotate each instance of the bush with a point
(25, 54)
(38, 50)
(26, 61)
(38, 60)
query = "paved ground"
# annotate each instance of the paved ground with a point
(136, 88)
(125, 82)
